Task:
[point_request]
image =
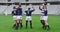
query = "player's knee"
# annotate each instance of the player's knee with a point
(30, 21)
(26, 20)
(46, 23)
(41, 21)
(17, 21)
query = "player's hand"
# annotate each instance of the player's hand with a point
(32, 7)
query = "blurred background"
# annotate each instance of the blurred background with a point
(53, 6)
(6, 22)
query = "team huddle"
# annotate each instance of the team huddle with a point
(17, 16)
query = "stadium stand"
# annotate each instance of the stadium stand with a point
(8, 9)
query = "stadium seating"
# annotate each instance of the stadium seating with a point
(52, 9)
(2, 8)
(24, 1)
(53, 0)
(3, 1)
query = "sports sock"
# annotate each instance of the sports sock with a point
(26, 23)
(21, 25)
(14, 25)
(17, 26)
(48, 27)
(30, 24)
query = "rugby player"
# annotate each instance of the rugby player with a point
(19, 15)
(44, 16)
(28, 16)
(14, 14)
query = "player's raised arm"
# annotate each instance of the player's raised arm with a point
(33, 9)
(40, 7)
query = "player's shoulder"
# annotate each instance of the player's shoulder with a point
(20, 8)
(14, 9)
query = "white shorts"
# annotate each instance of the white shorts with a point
(43, 17)
(28, 18)
(19, 17)
(14, 17)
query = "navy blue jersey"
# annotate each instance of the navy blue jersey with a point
(19, 11)
(28, 12)
(14, 12)
(44, 12)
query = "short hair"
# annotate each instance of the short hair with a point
(19, 5)
(14, 7)
(45, 3)
(44, 0)
(28, 8)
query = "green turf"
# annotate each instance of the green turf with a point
(6, 23)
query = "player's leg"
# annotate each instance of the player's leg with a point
(43, 22)
(30, 19)
(17, 24)
(15, 21)
(46, 23)
(20, 21)
(30, 23)
(27, 21)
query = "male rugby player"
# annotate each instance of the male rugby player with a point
(19, 15)
(28, 16)
(14, 17)
(44, 16)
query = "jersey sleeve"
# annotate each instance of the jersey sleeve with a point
(40, 8)
(32, 10)
(12, 12)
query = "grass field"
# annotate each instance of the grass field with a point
(6, 23)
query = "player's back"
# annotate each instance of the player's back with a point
(14, 12)
(19, 11)
(28, 12)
